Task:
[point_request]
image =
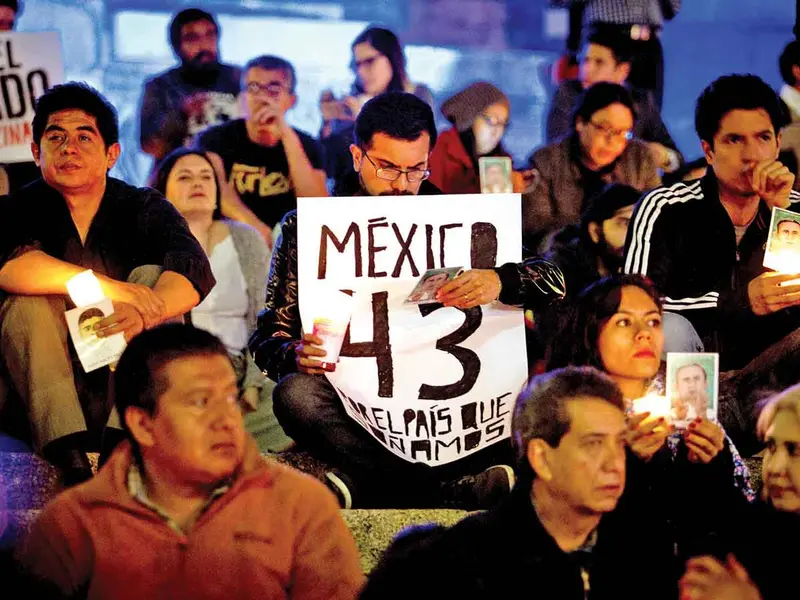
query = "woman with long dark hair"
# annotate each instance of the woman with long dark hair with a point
(379, 65)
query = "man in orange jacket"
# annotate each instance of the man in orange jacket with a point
(187, 508)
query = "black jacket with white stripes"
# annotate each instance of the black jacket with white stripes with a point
(682, 238)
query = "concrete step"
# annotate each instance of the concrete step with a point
(31, 482)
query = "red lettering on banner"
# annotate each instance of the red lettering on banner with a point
(16, 134)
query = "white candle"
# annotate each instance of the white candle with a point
(84, 289)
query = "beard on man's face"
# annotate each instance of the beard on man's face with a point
(202, 61)
(389, 192)
(612, 258)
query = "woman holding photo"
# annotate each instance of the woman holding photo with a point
(615, 325)
(480, 117)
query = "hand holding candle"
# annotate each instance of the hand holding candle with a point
(332, 317)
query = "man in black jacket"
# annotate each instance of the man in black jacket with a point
(702, 242)
(567, 532)
(395, 133)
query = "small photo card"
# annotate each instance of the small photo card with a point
(783, 242)
(692, 386)
(430, 282)
(93, 352)
(495, 174)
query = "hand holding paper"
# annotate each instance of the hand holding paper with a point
(125, 320)
(141, 297)
(473, 288)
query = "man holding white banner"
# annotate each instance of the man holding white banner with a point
(420, 401)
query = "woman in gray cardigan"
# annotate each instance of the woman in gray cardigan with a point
(240, 260)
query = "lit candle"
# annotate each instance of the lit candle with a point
(84, 289)
(657, 406)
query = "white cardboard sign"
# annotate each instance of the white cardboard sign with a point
(432, 384)
(30, 64)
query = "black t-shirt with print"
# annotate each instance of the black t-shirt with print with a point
(260, 175)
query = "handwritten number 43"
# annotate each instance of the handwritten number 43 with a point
(380, 348)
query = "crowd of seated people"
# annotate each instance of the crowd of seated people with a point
(586, 496)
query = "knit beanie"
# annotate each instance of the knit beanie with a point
(465, 106)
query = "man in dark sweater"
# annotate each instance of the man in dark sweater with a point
(568, 531)
(77, 218)
(200, 92)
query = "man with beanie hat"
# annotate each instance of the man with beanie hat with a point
(594, 249)
(182, 102)
(479, 114)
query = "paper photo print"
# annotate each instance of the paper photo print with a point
(430, 282)
(692, 386)
(93, 352)
(495, 172)
(783, 243)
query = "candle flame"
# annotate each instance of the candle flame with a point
(84, 289)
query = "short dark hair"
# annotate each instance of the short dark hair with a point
(400, 115)
(140, 379)
(579, 321)
(184, 17)
(81, 96)
(790, 58)
(541, 412)
(782, 221)
(90, 313)
(602, 205)
(736, 92)
(13, 5)
(610, 37)
(387, 44)
(161, 174)
(599, 96)
(271, 63)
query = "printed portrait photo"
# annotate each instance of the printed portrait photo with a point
(430, 283)
(783, 243)
(495, 173)
(692, 386)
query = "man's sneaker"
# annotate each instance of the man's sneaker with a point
(484, 490)
(342, 486)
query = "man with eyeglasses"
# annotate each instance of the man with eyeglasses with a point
(266, 163)
(200, 92)
(394, 134)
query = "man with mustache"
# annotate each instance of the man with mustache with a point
(201, 91)
(581, 522)
(186, 506)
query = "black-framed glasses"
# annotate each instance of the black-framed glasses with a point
(273, 89)
(495, 122)
(393, 173)
(612, 134)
